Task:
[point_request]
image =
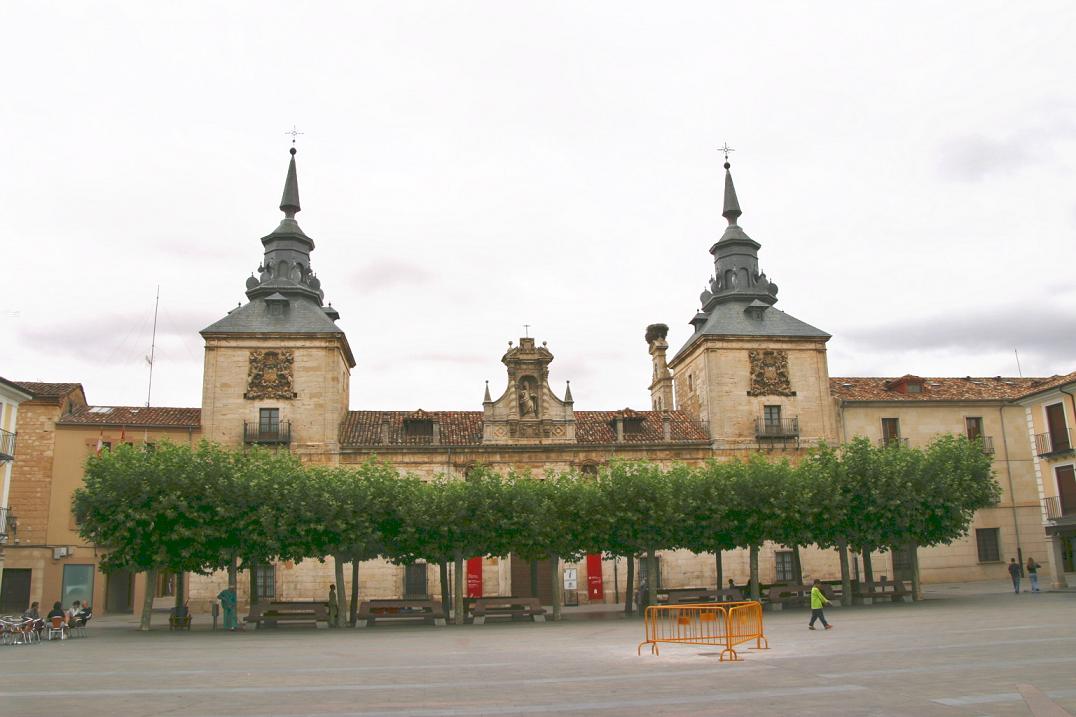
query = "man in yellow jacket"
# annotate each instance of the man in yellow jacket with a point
(818, 601)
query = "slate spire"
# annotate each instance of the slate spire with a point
(289, 202)
(732, 204)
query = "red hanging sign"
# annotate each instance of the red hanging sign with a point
(474, 577)
(595, 587)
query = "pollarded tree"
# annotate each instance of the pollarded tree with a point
(706, 500)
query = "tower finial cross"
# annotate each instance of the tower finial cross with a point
(726, 149)
(526, 331)
(294, 132)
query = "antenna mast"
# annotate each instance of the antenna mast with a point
(153, 345)
(1018, 369)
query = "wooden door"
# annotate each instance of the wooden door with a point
(15, 591)
(1066, 489)
(1055, 423)
(118, 592)
(521, 579)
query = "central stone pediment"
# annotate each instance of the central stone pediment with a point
(528, 411)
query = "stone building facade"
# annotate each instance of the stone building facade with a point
(750, 378)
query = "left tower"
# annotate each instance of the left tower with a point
(277, 368)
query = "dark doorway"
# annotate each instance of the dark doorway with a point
(522, 575)
(1055, 422)
(118, 592)
(15, 590)
(1066, 489)
(902, 564)
(415, 581)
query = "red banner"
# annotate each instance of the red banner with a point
(595, 588)
(474, 577)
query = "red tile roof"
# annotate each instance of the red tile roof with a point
(48, 392)
(134, 416)
(1052, 382)
(464, 428)
(969, 388)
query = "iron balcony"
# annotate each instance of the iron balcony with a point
(892, 441)
(1055, 443)
(267, 434)
(777, 428)
(7, 446)
(1056, 509)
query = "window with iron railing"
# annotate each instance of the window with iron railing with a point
(988, 544)
(783, 565)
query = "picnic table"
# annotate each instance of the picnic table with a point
(515, 608)
(429, 611)
(271, 613)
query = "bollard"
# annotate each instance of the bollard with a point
(216, 614)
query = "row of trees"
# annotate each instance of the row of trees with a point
(204, 508)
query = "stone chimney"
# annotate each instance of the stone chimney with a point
(661, 385)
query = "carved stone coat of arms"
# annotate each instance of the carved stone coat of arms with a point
(270, 375)
(769, 374)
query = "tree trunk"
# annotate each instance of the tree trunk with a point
(846, 579)
(797, 566)
(180, 590)
(147, 600)
(353, 615)
(913, 553)
(534, 578)
(629, 593)
(558, 594)
(254, 597)
(460, 606)
(446, 592)
(868, 569)
(341, 590)
(233, 575)
(754, 573)
(651, 577)
(720, 571)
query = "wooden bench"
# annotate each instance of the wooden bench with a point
(515, 608)
(273, 613)
(428, 611)
(883, 591)
(779, 597)
(680, 596)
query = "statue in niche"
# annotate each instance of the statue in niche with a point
(528, 399)
(270, 375)
(769, 374)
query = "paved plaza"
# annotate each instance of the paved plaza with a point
(963, 651)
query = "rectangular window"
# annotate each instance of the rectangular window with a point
(772, 416)
(890, 430)
(986, 539)
(265, 580)
(166, 584)
(418, 428)
(77, 585)
(268, 420)
(914, 387)
(974, 427)
(783, 564)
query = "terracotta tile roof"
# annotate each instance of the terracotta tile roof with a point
(13, 385)
(134, 416)
(1052, 382)
(47, 392)
(464, 428)
(969, 388)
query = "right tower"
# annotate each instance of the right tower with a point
(757, 376)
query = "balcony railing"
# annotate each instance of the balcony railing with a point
(7, 525)
(988, 444)
(1054, 442)
(892, 441)
(1057, 508)
(777, 428)
(262, 433)
(7, 446)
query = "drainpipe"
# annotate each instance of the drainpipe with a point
(1012, 492)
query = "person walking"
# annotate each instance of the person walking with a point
(1015, 573)
(818, 603)
(228, 603)
(1033, 573)
(334, 607)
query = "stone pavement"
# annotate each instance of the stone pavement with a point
(964, 651)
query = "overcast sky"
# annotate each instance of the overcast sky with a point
(467, 168)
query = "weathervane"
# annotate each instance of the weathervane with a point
(294, 132)
(726, 149)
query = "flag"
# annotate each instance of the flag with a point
(123, 434)
(100, 443)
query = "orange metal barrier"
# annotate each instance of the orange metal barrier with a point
(726, 624)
